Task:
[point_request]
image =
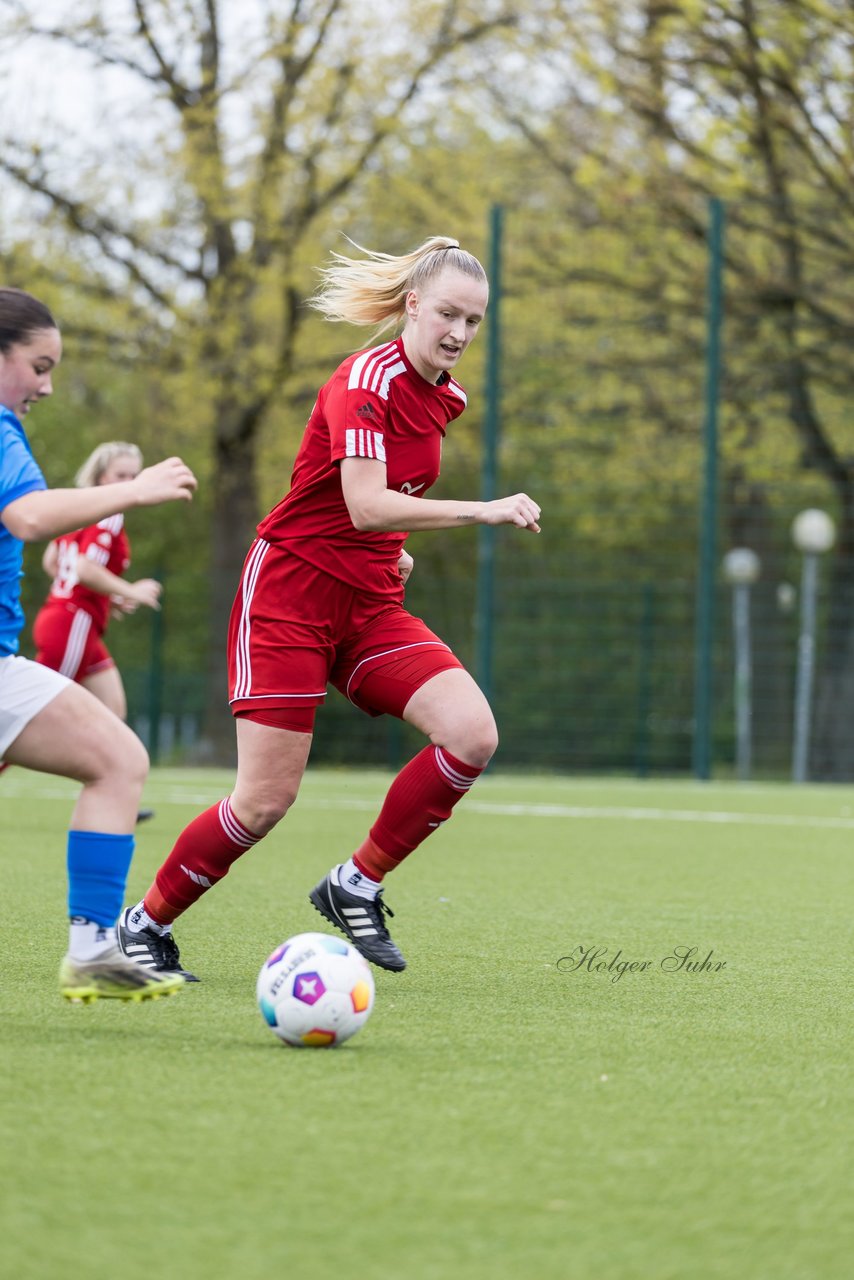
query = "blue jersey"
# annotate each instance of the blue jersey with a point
(19, 474)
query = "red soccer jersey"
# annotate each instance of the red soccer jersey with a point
(107, 544)
(375, 405)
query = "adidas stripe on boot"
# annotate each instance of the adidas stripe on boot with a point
(361, 919)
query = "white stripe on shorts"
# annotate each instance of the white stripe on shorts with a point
(385, 653)
(75, 645)
(242, 658)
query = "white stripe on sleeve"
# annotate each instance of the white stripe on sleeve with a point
(359, 443)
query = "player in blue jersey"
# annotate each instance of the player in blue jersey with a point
(47, 722)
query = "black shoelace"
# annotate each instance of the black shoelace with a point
(382, 909)
(167, 952)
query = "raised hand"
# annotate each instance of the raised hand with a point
(519, 509)
(166, 481)
(145, 591)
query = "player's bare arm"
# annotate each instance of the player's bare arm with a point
(94, 576)
(50, 559)
(373, 507)
(48, 512)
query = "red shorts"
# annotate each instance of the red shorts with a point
(295, 629)
(66, 640)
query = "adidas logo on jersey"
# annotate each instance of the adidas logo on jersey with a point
(365, 411)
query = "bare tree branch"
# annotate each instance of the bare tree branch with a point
(168, 76)
(108, 234)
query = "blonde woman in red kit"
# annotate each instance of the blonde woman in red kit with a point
(321, 602)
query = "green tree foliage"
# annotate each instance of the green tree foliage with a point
(652, 108)
(181, 242)
(248, 130)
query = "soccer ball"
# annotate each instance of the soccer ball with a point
(315, 991)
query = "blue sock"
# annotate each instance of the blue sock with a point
(98, 865)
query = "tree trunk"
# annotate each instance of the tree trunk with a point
(233, 528)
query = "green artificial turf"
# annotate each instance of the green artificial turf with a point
(506, 1111)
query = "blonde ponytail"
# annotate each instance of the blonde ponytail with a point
(373, 289)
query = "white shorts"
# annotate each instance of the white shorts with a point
(25, 689)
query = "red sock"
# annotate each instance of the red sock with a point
(203, 853)
(419, 800)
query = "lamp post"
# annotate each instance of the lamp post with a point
(813, 533)
(741, 569)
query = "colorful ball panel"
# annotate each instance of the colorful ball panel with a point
(315, 991)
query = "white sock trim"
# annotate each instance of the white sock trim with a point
(355, 881)
(137, 918)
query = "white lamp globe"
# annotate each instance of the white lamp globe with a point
(813, 531)
(787, 596)
(741, 566)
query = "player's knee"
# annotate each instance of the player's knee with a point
(261, 813)
(120, 758)
(475, 744)
(483, 748)
(139, 763)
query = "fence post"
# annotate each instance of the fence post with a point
(704, 631)
(646, 638)
(484, 604)
(155, 678)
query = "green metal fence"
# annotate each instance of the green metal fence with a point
(592, 672)
(655, 441)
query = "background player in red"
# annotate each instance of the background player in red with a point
(87, 568)
(321, 600)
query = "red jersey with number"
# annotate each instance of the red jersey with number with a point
(105, 543)
(376, 406)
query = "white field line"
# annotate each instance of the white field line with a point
(607, 813)
(636, 814)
